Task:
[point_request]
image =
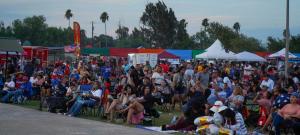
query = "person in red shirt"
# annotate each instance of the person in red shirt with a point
(164, 66)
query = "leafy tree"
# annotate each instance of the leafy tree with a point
(237, 27)
(205, 23)
(102, 40)
(69, 15)
(32, 29)
(160, 24)
(276, 44)
(231, 40)
(182, 40)
(104, 18)
(122, 32)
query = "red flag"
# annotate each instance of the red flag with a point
(76, 28)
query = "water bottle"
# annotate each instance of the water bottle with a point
(174, 119)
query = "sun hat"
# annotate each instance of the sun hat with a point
(218, 107)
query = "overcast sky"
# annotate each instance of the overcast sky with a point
(258, 18)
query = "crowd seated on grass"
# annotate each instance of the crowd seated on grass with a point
(239, 94)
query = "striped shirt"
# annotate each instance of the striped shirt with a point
(239, 127)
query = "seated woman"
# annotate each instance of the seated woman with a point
(166, 92)
(288, 114)
(185, 122)
(236, 100)
(136, 108)
(71, 95)
(123, 99)
(234, 121)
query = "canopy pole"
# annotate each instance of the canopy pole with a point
(287, 41)
(6, 60)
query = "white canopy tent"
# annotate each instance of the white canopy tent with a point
(281, 53)
(216, 51)
(247, 56)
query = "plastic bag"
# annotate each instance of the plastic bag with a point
(203, 120)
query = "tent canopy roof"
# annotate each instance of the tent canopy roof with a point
(122, 52)
(216, 51)
(281, 53)
(167, 55)
(10, 45)
(183, 54)
(247, 56)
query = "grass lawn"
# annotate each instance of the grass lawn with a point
(165, 117)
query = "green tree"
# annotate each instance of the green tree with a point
(122, 32)
(104, 18)
(274, 44)
(231, 40)
(205, 23)
(237, 27)
(102, 39)
(182, 40)
(32, 29)
(160, 25)
(69, 15)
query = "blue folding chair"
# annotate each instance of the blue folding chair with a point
(85, 88)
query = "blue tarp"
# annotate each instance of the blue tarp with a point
(183, 54)
(297, 54)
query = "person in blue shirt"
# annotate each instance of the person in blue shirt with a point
(106, 70)
(227, 90)
(18, 95)
(75, 75)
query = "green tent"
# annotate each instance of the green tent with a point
(100, 51)
(196, 52)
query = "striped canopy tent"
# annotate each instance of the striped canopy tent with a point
(167, 55)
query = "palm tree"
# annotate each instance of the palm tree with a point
(69, 15)
(236, 27)
(205, 23)
(104, 17)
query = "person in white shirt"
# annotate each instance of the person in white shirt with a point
(9, 84)
(158, 76)
(88, 99)
(267, 82)
(247, 71)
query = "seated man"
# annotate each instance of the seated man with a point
(57, 100)
(9, 87)
(290, 114)
(89, 99)
(24, 90)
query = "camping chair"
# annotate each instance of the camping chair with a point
(90, 110)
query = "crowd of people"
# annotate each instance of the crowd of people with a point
(197, 88)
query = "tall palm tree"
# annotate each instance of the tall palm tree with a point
(205, 23)
(69, 15)
(104, 17)
(236, 27)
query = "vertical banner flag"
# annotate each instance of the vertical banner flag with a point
(76, 28)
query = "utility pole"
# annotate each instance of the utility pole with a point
(92, 34)
(287, 41)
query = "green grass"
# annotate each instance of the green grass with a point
(165, 117)
(32, 104)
